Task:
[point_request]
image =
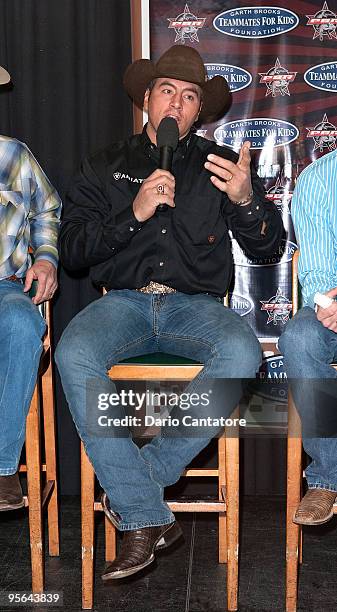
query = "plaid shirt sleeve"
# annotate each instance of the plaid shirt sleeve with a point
(44, 214)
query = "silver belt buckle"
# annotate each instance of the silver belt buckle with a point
(156, 288)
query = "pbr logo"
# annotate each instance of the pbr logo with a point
(324, 23)
(324, 135)
(278, 308)
(277, 80)
(186, 26)
(280, 194)
(283, 255)
(242, 305)
(322, 76)
(236, 77)
(255, 21)
(260, 131)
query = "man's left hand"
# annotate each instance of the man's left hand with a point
(233, 179)
(328, 316)
(44, 272)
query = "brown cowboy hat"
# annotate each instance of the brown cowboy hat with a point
(4, 76)
(184, 64)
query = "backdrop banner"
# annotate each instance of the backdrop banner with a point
(280, 61)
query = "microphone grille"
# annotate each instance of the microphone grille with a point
(168, 133)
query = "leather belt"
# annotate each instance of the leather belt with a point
(14, 278)
(153, 287)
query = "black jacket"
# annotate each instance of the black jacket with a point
(187, 247)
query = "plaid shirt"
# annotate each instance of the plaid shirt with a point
(29, 210)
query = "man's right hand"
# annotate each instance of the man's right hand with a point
(328, 316)
(148, 197)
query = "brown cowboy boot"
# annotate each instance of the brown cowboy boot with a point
(11, 497)
(316, 507)
(138, 548)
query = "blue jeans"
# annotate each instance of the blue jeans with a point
(125, 324)
(309, 348)
(21, 330)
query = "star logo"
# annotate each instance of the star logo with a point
(277, 80)
(278, 308)
(280, 194)
(324, 135)
(324, 23)
(186, 26)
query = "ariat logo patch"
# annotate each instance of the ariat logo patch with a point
(121, 175)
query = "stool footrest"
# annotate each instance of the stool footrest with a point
(192, 505)
(187, 505)
(23, 468)
(204, 472)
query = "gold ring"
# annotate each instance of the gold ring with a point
(160, 189)
(230, 178)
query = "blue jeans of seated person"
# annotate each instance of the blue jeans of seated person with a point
(21, 330)
(309, 348)
(127, 323)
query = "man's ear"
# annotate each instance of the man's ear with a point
(199, 111)
(146, 100)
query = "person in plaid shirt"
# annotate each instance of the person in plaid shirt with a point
(29, 220)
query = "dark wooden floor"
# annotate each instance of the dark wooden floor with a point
(188, 577)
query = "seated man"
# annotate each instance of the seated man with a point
(29, 217)
(166, 275)
(309, 342)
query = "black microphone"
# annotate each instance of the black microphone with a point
(167, 142)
